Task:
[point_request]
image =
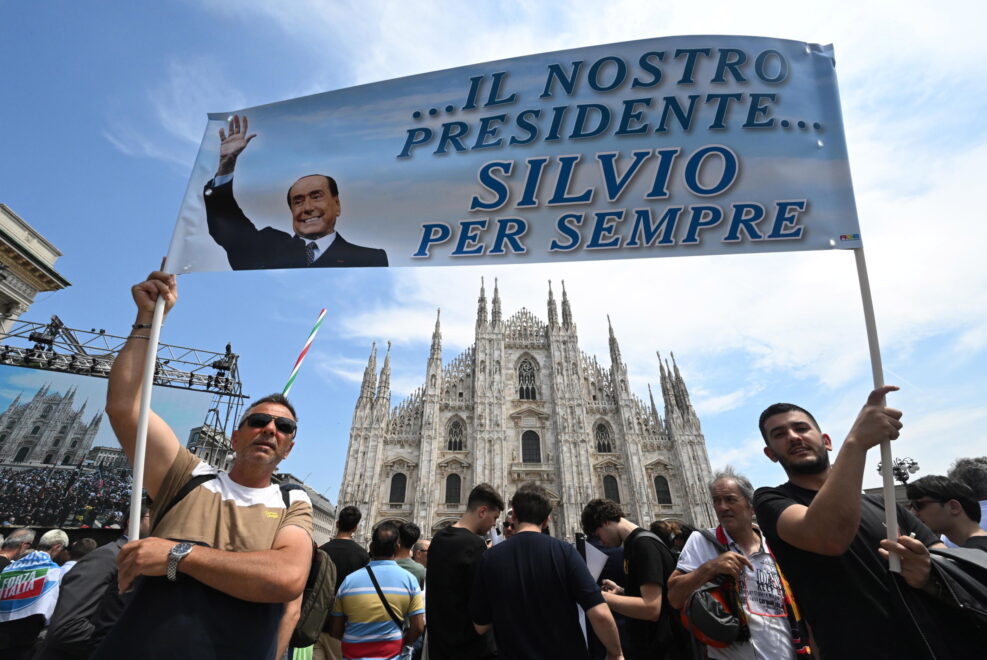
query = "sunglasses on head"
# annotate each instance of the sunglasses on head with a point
(259, 420)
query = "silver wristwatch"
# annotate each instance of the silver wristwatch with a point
(179, 552)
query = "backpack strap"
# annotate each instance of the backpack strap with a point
(387, 606)
(286, 494)
(189, 486)
(713, 540)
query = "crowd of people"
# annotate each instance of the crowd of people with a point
(53, 497)
(225, 566)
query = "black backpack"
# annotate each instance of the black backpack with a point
(320, 586)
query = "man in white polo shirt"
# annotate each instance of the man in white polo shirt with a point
(748, 561)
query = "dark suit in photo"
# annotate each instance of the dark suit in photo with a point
(249, 248)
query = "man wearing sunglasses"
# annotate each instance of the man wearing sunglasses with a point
(948, 507)
(227, 549)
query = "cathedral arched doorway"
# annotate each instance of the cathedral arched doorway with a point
(454, 488)
(399, 484)
(662, 491)
(530, 447)
(610, 489)
(21, 454)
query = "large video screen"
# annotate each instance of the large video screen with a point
(60, 464)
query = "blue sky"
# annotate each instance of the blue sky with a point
(105, 105)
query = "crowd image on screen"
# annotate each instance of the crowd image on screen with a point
(47, 497)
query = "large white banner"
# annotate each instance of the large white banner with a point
(663, 147)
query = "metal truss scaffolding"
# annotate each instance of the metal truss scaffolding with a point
(54, 347)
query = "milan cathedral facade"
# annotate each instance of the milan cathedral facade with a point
(524, 403)
(47, 430)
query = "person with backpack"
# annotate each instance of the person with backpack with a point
(227, 549)
(735, 555)
(652, 630)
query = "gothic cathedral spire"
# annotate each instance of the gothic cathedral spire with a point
(553, 313)
(566, 312)
(481, 307)
(495, 310)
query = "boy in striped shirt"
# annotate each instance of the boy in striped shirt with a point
(359, 616)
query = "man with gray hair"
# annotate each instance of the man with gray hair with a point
(28, 593)
(17, 544)
(747, 562)
(56, 543)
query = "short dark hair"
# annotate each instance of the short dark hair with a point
(279, 399)
(348, 518)
(331, 182)
(942, 489)
(778, 409)
(384, 540)
(972, 472)
(531, 504)
(484, 495)
(662, 530)
(409, 533)
(598, 513)
(82, 547)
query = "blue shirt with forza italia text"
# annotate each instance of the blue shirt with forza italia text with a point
(370, 632)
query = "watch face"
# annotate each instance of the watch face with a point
(182, 549)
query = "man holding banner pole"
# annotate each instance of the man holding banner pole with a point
(227, 549)
(829, 541)
(314, 204)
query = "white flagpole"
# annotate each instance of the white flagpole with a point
(890, 508)
(140, 444)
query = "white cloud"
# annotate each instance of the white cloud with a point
(178, 103)
(710, 405)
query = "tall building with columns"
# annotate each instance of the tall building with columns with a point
(524, 403)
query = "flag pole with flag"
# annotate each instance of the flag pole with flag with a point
(301, 356)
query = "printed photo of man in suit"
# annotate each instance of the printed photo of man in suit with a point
(314, 204)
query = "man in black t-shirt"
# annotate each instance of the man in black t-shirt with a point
(453, 558)
(348, 556)
(830, 542)
(527, 589)
(644, 601)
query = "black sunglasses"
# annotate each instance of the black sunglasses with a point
(259, 420)
(918, 505)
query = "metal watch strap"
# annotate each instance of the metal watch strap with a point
(177, 553)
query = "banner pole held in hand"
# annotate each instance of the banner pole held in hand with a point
(140, 444)
(890, 508)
